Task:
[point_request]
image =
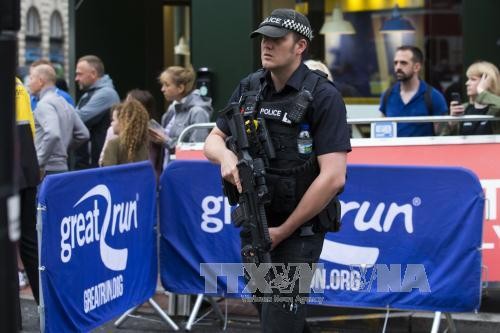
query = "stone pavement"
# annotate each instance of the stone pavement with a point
(241, 318)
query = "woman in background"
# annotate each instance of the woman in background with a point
(187, 107)
(147, 100)
(130, 123)
(483, 90)
(319, 65)
(156, 151)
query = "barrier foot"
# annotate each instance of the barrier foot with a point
(196, 308)
(451, 323)
(158, 310)
(217, 311)
(124, 316)
(436, 322)
(163, 315)
(386, 319)
(194, 312)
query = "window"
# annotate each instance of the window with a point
(56, 25)
(33, 36)
(33, 26)
(362, 63)
(56, 54)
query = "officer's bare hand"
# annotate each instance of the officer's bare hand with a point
(229, 170)
(456, 109)
(277, 235)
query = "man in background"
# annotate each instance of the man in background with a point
(63, 93)
(411, 96)
(57, 125)
(93, 108)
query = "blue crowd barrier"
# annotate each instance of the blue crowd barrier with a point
(410, 237)
(98, 253)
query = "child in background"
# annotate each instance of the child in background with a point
(130, 123)
(156, 150)
(110, 134)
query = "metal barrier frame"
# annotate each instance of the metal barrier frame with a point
(351, 121)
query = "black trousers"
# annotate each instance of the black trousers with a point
(10, 313)
(284, 313)
(28, 244)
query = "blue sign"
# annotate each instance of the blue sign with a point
(98, 245)
(410, 237)
(384, 129)
(195, 225)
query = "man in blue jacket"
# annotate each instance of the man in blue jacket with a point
(411, 96)
(93, 108)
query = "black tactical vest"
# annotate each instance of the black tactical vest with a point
(288, 175)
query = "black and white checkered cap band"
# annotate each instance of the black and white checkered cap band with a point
(288, 24)
(298, 27)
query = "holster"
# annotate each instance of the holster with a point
(329, 218)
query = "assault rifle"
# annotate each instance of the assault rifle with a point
(252, 145)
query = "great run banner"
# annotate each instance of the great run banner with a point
(98, 246)
(195, 226)
(410, 238)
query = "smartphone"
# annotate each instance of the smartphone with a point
(154, 125)
(455, 97)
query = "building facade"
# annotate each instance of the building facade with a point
(44, 33)
(452, 34)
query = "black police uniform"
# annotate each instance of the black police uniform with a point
(326, 117)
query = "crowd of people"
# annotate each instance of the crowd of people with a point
(100, 130)
(410, 96)
(57, 135)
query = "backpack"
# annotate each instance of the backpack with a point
(427, 98)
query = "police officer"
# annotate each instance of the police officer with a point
(303, 186)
